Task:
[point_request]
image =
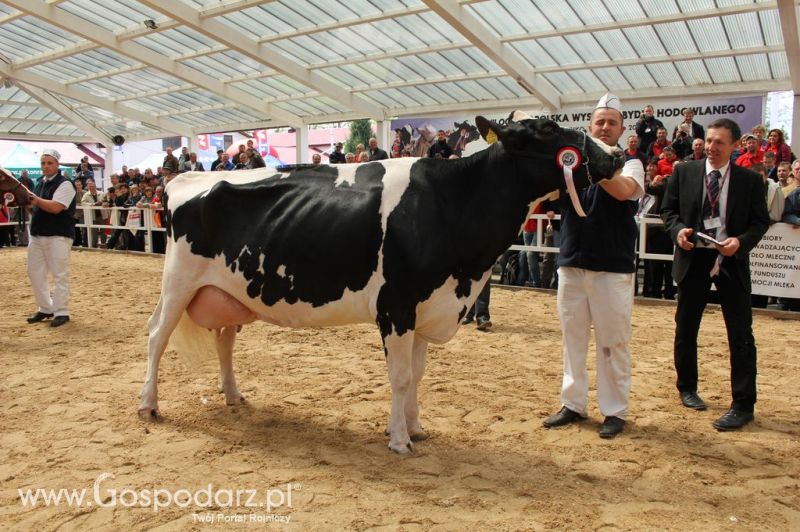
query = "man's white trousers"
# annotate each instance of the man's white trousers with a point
(50, 254)
(605, 300)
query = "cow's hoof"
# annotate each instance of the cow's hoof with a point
(418, 435)
(233, 400)
(402, 449)
(149, 414)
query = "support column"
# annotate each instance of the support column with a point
(192, 144)
(384, 130)
(795, 139)
(301, 136)
(108, 170)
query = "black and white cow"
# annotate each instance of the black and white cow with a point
(462, 134)
(403, 243)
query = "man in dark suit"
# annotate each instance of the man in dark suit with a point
(725, 202)
(694, 129)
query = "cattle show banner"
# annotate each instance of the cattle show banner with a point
(417, 134)
(746, 111)
(775, 262)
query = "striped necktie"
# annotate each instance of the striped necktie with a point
(711, 204)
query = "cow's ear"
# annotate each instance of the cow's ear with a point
(490, 131)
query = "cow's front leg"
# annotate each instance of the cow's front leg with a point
(225, 339)
(398, 362)
(419, 356)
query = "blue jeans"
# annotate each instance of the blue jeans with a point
(529, 262)
(549, 267)
(481, 307)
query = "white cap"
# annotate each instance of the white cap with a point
(608, 101)
(52, 153)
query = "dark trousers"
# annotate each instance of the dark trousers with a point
(481, 306)
(693, 294)
(658, 273)
(5, 235)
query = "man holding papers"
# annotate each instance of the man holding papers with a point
(725, 202)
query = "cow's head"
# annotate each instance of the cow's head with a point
(555, 147)
(8, 183)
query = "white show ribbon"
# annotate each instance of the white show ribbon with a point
(569, 158)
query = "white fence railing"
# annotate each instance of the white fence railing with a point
(85, 220)
(149, 227)
(640, 250)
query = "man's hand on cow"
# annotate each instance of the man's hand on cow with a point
(683, 238)
(729, 246)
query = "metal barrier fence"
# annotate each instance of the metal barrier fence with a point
(149, 227)
(147, 221)
(640, 248)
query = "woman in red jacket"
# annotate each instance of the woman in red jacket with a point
(777, 145)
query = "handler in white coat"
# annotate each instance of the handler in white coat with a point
(52, 231)
(597, 264)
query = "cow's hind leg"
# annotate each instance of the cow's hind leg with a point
(398, 361)
(419, 355)
(163, 321)
(225, 339)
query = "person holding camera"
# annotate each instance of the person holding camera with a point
(693, 129)
(647, 127)
(682, 141)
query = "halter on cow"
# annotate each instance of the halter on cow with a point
(9, 183)
(403, 243)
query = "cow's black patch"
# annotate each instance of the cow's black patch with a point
(298, 238)
(454, 219)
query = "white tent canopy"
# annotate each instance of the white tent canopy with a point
(81, 70)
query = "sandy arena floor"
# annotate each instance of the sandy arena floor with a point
(318, 401)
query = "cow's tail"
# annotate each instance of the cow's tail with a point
(196, 345)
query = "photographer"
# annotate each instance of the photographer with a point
(647, 126)
(682, 141)
(695, 130)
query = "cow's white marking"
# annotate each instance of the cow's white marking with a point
(347, 174)
(190, 184)
(606, 148)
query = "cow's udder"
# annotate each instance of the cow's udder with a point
(212, 308)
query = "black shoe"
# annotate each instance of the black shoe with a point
(611, 426)
(733, 420)
(39, 316)
(692, 400)
(484, 324)
(58, 321)
(565, 416)
(467, 320)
